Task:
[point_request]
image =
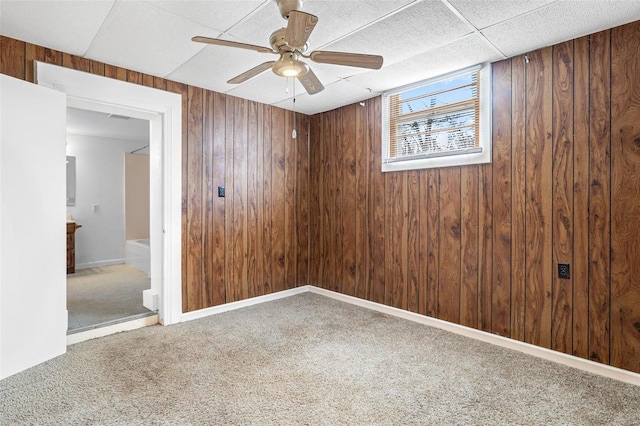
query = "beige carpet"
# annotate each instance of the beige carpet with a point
(307, 359)
(108, 293)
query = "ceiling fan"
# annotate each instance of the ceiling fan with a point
(291, 44)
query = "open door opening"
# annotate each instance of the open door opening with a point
(108, 211)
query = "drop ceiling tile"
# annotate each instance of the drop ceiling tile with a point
(334, 96)
(219, 15)
(66, 26)
(466, 52)
(335, 19)
(558, 22)
(421, 27)
(213, 66)
(486, 13)
(269, 88)
(143, 38)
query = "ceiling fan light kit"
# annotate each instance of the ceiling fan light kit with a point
(291, 44)
(289, 66)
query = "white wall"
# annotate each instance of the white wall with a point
(99, 182)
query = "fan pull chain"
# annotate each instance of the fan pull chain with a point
(294, 134)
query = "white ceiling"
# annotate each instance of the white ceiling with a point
(418, 38)
(99, 124)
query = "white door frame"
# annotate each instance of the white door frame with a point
(164, 111)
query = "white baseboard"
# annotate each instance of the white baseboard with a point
(537, 351)
(111, 329)
(201, 313)
(99, 263)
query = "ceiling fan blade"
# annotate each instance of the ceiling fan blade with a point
(299, 28)
(228, 43)
(311, 83)
(251, 73)
(350, 59)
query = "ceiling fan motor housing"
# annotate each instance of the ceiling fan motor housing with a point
(279, 44)
(286, 6)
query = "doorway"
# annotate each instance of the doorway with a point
(108, 187)
(163, 110)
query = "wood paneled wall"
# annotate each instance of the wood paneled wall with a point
(255, 240)
(479, 245)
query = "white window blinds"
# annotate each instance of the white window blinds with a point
(436, 119)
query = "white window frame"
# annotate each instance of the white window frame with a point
(479, 155)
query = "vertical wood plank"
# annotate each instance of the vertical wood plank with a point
(486, 247)
(259, 201)
(433, 243)
(194, 200)
(12, 57)
(278, 195)
(562, 303)
(625, 205)
(302, 203)
(218, 174)
(208, 209)
(538, 203)
(469, 246)
(290, 229)
(362, 228)
(450, 232)
(76, 62)
(252, 251)
(134, 77)
(423, 241)
(240, 109)
(503, 96)
(377, 202)
(147, 80)
(338, 205)
(316, 199)
(121, 74)
(518, 237)
(267, 157)
(500, 321)
(328, 224)
(399, 232)
(599, 197)
(229, 182)
(581, 198)
(412, 288)
(96, 68)
(348, 137)
(390, 185)
(160, 83)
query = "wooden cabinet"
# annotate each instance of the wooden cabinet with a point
(71, 246)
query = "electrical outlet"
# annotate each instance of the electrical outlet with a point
(564, 271)
(221, 191)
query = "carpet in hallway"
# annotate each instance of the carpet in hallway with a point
(97, 295)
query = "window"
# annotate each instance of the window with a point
(444, 121)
